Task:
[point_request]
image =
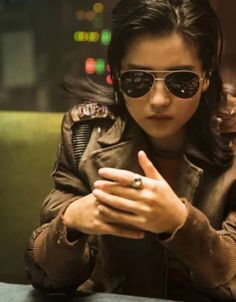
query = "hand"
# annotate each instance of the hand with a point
(155, 207)
(83, 215)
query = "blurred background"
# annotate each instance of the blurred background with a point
(41, 41)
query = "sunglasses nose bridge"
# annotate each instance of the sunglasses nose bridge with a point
(156, 79)
(159, 97)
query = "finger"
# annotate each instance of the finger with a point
(120, 217)
(117, 202)
(148, 167)
(115, 188)
(102, 184)
(124, 177)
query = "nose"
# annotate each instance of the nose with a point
(159, 96)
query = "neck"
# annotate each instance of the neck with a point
(172, 145)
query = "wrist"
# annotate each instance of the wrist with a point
(68, 217)
(181, 214)
(72, 234)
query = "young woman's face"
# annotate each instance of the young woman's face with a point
(159, 112)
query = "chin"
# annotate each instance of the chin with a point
(159, 134)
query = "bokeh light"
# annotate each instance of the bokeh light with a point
(90, 15)
(109, 79)
(105, 37)
(80, 15)
(98, 7)
(108, 68)
(90, 65)
(94, 66)
(100, 66)
(84, 36)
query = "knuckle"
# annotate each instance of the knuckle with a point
(142, 220)
(97, 223)
(146, 209)
(147, 195)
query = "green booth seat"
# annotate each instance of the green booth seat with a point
(28, 146)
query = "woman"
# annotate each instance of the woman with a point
(145, 206)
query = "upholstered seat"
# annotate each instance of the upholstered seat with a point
(28, 145)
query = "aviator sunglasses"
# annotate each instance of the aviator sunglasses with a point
(183, 84)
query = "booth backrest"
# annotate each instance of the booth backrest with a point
(28, 145)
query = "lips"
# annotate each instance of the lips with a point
(159, 117)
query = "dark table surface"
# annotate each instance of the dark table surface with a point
(25, 293)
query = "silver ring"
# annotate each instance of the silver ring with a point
(137, 182)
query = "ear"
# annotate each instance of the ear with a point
(206, 82)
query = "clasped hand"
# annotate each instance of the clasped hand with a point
(154, 207)
(116, 208)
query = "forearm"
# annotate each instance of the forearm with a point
(53, 262)
(210, 256)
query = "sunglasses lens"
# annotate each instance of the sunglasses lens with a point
(182, 84)
(136, 83)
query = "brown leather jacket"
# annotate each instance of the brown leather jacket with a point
(197, 263)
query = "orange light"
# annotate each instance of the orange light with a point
(80, 15)
(90, 15)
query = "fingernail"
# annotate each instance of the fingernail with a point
(100, 170)
(96, 192)
(96, 183)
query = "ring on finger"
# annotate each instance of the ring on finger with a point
(137, 182)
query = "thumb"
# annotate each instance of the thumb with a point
(148, 167)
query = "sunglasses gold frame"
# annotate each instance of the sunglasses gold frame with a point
(156, 77)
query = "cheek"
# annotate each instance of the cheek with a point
(135, 107)
(187, 110)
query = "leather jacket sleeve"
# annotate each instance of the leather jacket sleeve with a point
(213, 270)
(52, 262)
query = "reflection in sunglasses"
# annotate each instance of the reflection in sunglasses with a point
(181, 83)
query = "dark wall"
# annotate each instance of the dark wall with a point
(37, 48)
(226, 10)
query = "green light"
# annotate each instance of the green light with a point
(105, 37)
(100, 66)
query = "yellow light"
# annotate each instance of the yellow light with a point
(93, 36)
(98, 7)
(84, 36)
(81, 36)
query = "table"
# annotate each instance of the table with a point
(25, 293)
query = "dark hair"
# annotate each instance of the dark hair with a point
(197, 22)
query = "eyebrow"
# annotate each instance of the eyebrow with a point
(142, 67)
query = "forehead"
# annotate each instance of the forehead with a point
(161, 53)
